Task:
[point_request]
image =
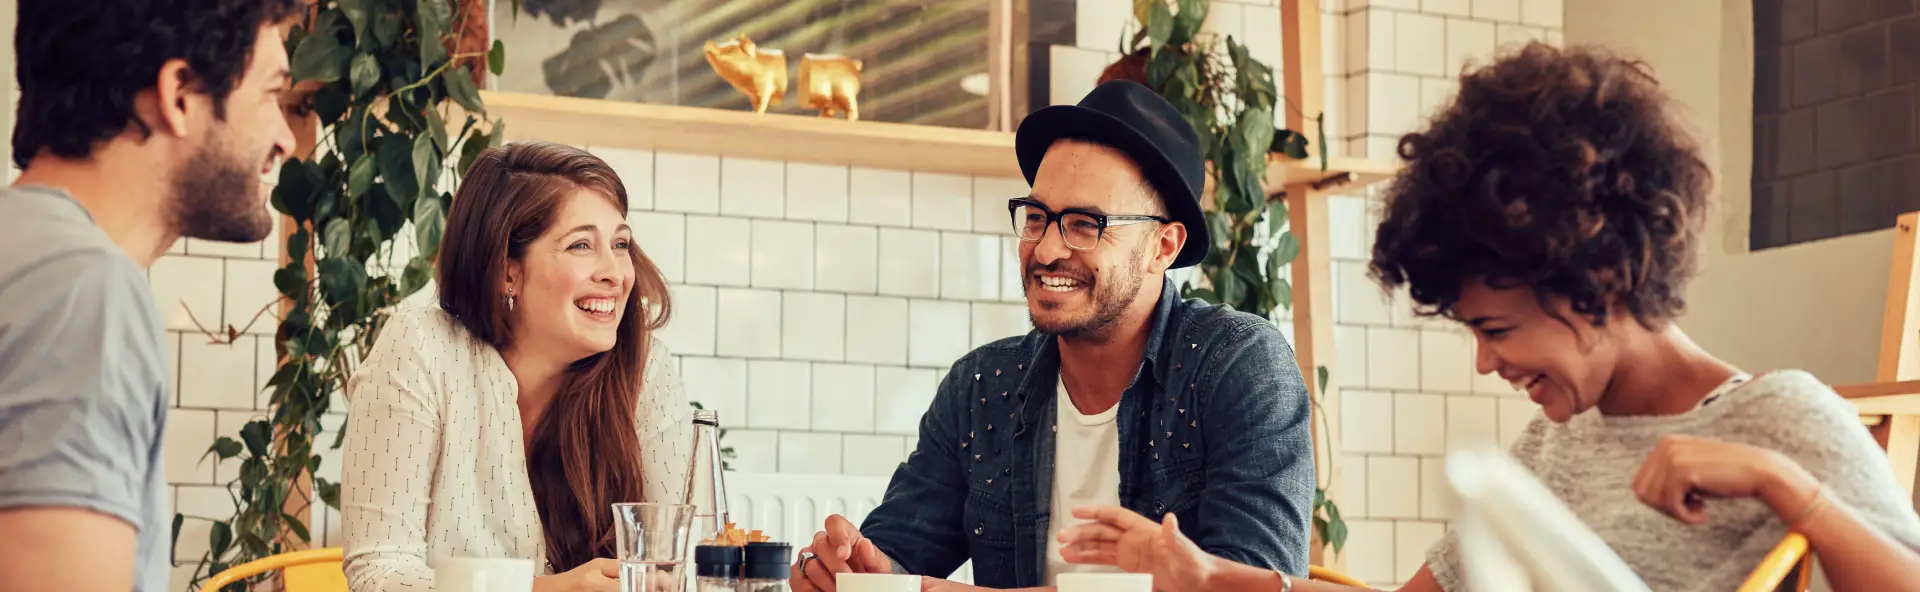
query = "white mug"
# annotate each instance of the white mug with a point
(483, 574)
(859, 582)
(1104, 582)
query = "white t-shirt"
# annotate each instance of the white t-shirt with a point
(1086, 470)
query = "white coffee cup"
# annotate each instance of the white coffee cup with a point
(483, 574)
(1104, 582)
(859, 582)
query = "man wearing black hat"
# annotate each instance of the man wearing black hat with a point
(1122, 395)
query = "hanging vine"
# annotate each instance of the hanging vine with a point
(1229, 97)
(385, 78)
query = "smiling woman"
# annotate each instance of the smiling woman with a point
(517, 407)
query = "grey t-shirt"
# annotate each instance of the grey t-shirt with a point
(83, 374)
(1590, 462)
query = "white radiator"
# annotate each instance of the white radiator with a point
(791, 507)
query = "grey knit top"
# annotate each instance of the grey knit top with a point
(1590, 461)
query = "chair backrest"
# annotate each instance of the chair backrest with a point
(1786, 569)
(313, 570)
(1325, 574)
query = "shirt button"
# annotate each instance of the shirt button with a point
(980, 530)
(1159, 508)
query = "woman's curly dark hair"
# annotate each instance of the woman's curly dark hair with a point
(1560, 170)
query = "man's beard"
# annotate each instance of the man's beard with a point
(216, 196)
(1110, 300)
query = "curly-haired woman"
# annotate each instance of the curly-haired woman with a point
(1555, 209)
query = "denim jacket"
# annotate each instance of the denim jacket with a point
(1214, 428)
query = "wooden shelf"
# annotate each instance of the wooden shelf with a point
(1883, 398)
(773, 136)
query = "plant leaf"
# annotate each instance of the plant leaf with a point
(1143, 10)
(396, 168)
(428, 222)
(1159, 23)
(291, 280)
(329, 491)
(1321, 373)
(223, 448)
(1277, 217)
(438, 127)
(298, 527)
(460, 87)
(360, 177)
(318, 58)
(418, 272)
(387, 28)
(1286, 249)
(341, 280)
(295, 191)
(1193, 13)
(357, 15)
(470, 150)
(1254, 135)
(1160, 68)
(426, 165)
(497, 58)
(174, 544)
(339, 237)
(365, 73)
(434, 16)
(219, 539)
(256, 434)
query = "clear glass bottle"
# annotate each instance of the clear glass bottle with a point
(717, 568)
(767, 567)
(706, 482)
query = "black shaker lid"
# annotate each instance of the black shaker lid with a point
(769, 561)
(718, 561)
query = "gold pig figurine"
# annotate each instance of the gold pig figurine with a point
(830, 83)
(760, 73)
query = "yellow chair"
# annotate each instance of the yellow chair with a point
(1322, 574)
(314, 570)
(1790, 563)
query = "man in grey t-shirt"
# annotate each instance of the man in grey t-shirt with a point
(139, 123)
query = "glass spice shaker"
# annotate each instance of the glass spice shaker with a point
(717, 567)
(767, 567)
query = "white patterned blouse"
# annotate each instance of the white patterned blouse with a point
(434, 462)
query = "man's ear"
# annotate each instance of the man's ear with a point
(173, 92)
(1168, 241)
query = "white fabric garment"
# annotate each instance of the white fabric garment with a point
(435, 465)
(1086, 471)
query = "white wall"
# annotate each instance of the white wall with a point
(1815, 306)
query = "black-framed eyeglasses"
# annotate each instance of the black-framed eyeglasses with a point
(1080, 228)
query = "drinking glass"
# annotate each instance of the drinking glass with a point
(651, 545)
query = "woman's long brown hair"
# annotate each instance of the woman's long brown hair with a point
(585, 454)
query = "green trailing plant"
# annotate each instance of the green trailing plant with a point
(1229, 97)
(385, 79)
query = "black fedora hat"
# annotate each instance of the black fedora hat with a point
(1136, 121)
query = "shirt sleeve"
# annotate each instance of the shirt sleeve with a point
(665, 423)
(1259, 473)
(83, 387)
(392, 452)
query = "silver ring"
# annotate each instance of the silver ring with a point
(806, 556)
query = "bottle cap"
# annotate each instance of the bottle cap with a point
(717, 561)
(769, 561)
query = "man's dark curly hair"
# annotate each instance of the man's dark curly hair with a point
(1560, 170)
(81, 62)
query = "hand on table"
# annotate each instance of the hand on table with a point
(599, 575)
(1118, 537)
(838, 549)
(939, 585)
(1683, 470)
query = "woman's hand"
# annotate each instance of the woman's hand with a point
(1684, 470)
(599, 575)
(1118, 537)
